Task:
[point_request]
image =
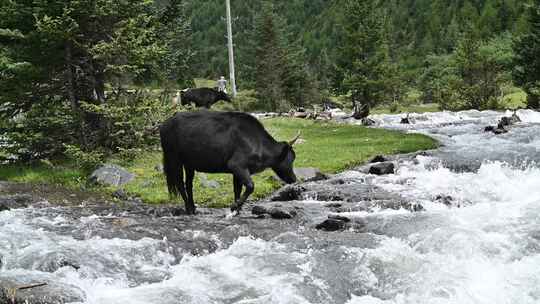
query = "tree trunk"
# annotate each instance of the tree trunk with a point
(70, 82)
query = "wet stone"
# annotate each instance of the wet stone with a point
(508, 121)
(166, 211)
(500, 130)
(56, 263)
(258, 210)
(281, 213)
(288, 193)
(51, 293)
(339, 217)
(331, 224)
(382, 168)
(15, 201)
(333, 205)
(379, 159)
(444, 199)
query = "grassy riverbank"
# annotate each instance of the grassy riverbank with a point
(328, 146)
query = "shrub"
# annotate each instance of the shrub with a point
(87, 161)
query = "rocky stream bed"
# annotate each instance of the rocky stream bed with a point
(460, 224)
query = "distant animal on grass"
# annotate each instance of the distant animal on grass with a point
(221, 142)
(203, 97)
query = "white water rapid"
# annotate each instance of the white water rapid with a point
(481, 245)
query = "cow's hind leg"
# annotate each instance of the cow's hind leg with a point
(180, 185)
(190, 205)
(244, 178)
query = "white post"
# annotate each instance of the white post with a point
(231, 55)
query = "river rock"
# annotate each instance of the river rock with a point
(54, 261)
(508, 121)
(275, 211)
(111, 175)
(331, 224)
(166, 211)
(282, 213)
(288, 193)
(309, 174)
(339, 217)
(505, 121)
(444, 199)
(499, 129)
(51, 293)
(259, 210)
(382, 168)
(15, 201)
(379, 159)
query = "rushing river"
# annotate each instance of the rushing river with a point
(475, 240)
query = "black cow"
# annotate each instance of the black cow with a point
(203, 97)
(221, 142)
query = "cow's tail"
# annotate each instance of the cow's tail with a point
(171, 164)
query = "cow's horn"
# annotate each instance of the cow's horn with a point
(294, 139)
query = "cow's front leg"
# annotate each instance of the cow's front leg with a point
(237, 188)
(190, 205)
(243, 178)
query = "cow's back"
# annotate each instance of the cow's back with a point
(206, 140)
(199, 96)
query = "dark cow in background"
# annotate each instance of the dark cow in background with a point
(221, 142)
(203, 97)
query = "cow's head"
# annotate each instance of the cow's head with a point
(223, 96)
(284, 164)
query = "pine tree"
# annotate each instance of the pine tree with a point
(527, 58)
(59, 56)
(364, 56)
(282, 78)
(270, 58)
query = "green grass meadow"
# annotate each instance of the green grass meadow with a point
(328, 146)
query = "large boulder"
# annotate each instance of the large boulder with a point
(309, 174)
(208, 183)
(111, 175)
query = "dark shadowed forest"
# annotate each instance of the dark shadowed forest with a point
(98, 76)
